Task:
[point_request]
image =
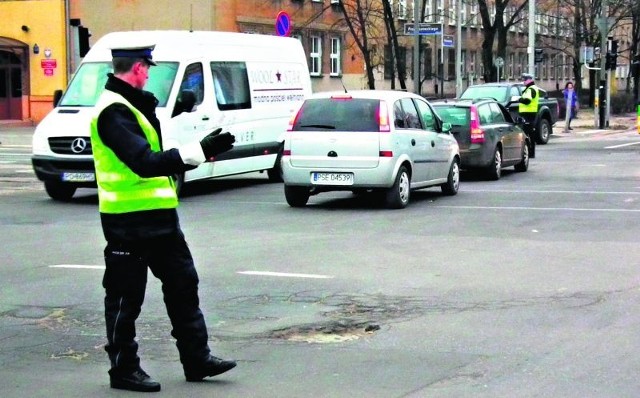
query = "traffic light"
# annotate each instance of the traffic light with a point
(611, 61)
(83, 40)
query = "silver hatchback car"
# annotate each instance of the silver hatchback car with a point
(391, 142)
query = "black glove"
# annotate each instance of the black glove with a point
(216, 143)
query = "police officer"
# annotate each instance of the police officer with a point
(137, 203)
(528, 109)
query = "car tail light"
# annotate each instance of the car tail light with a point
(386, 154)
(286, 152)
(294, 119)
(477, 134)
(383, 117)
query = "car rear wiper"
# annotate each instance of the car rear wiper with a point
(320, 126)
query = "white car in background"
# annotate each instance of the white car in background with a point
(387, 141)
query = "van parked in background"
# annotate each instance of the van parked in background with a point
(249, 85)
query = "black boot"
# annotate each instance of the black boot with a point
(212, 366)
(136, 380)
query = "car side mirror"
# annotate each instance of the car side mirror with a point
(57, 96)
(185, 103)
(446, 127)
(520, 120)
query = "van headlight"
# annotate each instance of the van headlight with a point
(39, 145)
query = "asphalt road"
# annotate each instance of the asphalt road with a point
(523, 287)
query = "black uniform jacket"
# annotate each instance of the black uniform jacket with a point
(119, 130)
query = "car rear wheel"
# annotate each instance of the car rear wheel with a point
(543, 132)
(59, 191)
(494, 170)
(453, 180)
(397, 197)
(296, 196)
(524, 163)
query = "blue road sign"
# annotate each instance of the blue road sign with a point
(283, 24)
(424, 29)
(447, 41)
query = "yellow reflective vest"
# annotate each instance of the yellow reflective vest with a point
(531, 107)
(120, 190)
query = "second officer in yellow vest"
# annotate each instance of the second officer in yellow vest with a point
(137, 203)
(528, 109)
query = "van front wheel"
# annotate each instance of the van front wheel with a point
(59, 191)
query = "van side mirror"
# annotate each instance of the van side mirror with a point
(185, 103)
(57, 95)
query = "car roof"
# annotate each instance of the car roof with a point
(390, 95)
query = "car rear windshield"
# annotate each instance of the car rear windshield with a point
(343, 114)
(457, 116)
(499, 93)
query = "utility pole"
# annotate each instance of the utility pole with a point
(416, 46)
(532, 37)
(459, 48)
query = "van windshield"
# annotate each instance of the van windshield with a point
(89, 81)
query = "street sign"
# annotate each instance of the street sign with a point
(283, 24)
(499, 62)
(424, 29)
(447, 41)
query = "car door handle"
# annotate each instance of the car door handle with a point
(413, 142)
(205, 117)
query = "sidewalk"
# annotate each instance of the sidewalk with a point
(585, 123)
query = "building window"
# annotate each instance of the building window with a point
(474, 14)
(510, 65)
(463, 12)
(428, 11)
(315, 56)
(402, 9)
(472, 61)
(335, 56)
(440, 10)
(452, 12)
(451, 63)
(389, 67)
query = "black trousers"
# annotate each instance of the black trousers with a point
(529, 129)
(125, 281)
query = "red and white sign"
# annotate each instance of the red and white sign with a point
(48, 64)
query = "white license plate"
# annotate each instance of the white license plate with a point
(332, 178)
(78, 177)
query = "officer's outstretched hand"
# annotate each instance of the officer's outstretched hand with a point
(216, 143)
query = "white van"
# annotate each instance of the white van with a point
(249, 85)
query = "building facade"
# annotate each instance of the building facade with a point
(33, 57)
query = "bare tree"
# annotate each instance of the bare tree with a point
(364, 18)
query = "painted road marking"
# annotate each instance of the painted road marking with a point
(285, 274)
(621, 145)
(77, 266)
(540, 208)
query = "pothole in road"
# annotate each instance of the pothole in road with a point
(334, 332)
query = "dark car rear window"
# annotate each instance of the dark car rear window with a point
(340, 114)
(457, 116)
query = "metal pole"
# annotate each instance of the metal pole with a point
(532, 37)
(416, 47)
(459, 48)
(604, 29)
(67, 45)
